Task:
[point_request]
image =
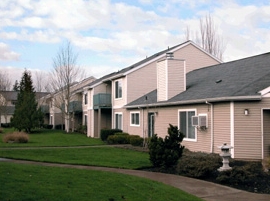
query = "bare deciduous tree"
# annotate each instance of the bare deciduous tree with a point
(64, 75)
(208, 37)
(41, 81)
(5, 82)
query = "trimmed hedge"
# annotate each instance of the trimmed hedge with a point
(104, 133)
(136, 140)
(118, 138)
(199, 165)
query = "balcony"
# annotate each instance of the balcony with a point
(75, 106)
(45, 108)
(102, 100)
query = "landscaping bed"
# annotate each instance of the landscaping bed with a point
(245, 175)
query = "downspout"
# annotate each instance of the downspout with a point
(143, 126)
(212, 127)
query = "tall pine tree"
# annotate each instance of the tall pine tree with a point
(26, 115)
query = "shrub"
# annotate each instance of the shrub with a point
(135, 140)
(17, 137)
(240, 175)
(82, 129)
(118, 138)
(1, 130)
(165, 153)
(5, 125)
(60, 126)
(104, 133)
(199, 165)
(47, 126)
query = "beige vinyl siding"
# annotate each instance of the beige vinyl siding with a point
(138, 129)
(144, 80)
(119, 102)
(176, 77)
(58, 118)
(166, 116)
(141, 81)
(106, 118)
(248, 129)
(221, 121)
(125, 118)
(266, 133)
(194, 57)
(102, 88)
(162, 80)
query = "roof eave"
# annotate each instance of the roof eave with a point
(198, 101)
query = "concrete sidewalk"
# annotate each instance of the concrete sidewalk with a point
(205, 190)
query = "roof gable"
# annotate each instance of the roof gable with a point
(146, 61)
(231, 80)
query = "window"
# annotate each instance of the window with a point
(118, 121)
(85, 120)
(51, 120)
(85, 98)
(118, 89)
(134, 118)
(185, 124)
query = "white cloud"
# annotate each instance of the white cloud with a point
(6, 54)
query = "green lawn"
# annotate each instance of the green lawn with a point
(41, 138)
(97, 156)
(21, 182)
(32, 182)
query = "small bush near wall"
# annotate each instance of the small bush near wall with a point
(16, 137)
(198, 164)
(136, 140)
(5, 125)
(82, 129)
(47, 126)
(118, 138)
(60, 126)
(104, 133)
(165, 153)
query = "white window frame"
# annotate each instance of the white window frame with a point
(195, 130)
(119, 92)
(115, 114)
(133, 121)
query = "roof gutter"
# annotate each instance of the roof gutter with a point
(209, 100)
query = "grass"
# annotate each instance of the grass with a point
(96, 156)
(50, 138)
(20, 182)
(33, 182)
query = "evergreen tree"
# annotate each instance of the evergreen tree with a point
(26, 115)
(16, 86)
(165, 153)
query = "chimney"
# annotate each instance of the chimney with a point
(171, 77)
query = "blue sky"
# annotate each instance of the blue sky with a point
(110, 35)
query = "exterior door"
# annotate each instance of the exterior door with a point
(151, 124)
(266, 133)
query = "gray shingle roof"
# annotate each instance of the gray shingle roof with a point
(240, 78)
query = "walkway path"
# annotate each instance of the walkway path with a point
(205, 190)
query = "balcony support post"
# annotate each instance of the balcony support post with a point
(99, 122)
